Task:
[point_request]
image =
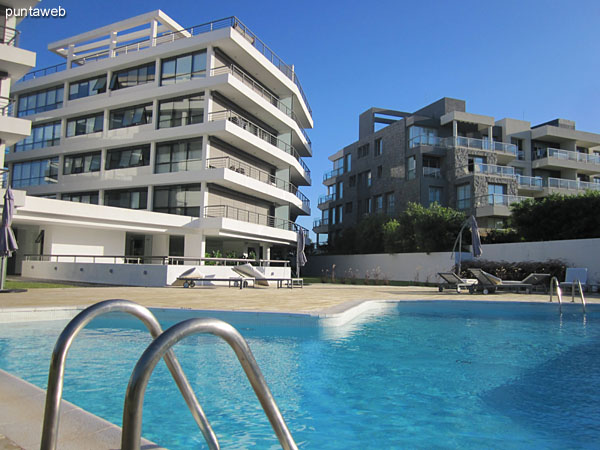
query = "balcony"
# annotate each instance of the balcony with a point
(432, 172)
(570, 185)
(12, 129)
(504, 152)
(243, 168)
(145, 43)
(333, 173)
(249, 126)
(557, 159)
(321, 225)
(231, 212)
(260, 90)
(9, 36)
(496, 205)
(532, 184)
(326, 199)
(486, 169)
(425, 139)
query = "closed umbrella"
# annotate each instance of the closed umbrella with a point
(475, 238)
(300, 256)
(8, 243)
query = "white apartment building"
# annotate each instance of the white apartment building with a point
(165, 141)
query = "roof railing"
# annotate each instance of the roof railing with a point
(172, 36)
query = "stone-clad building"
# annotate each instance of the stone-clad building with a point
(470, 162)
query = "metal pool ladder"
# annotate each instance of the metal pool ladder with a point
(159, 348)
(555, 284)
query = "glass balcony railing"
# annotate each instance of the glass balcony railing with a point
(499, 200)
(333, 173)
(320, 223)
(574, 185)
(424, 140)
(326, 198)
(492, 169)
(432, 172)
(479, 144)
(231, 212)
(530, 182)
(567, 155)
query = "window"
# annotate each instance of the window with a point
(519, 144)
(182, 200)
(40, 101)
(183, 68)
(411, 168)
(133, 77)
(422, 136)
(435, 195)
(128, 157)
(369, 179)
(339, 214)
(348, 207)
(476, 163)
(181, 111)
(379, 171)
(332, 216)
(45, 135)
(390, 206)
(86, 88)
(463, 196)
(127, 198)
(352, 181)
(84, 163)
(496, 194)
(178, 156)
(378, 148)
(81, 197)
(379, 203)
(85, 125)
(369, 206)
(363, 151)
(34, 173)
(364, 179)
(340, 190)
(131, 116)
(347, 163)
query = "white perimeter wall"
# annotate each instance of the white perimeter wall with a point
(424, 267)
(154, 275)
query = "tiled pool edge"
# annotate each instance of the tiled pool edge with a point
(21, 416)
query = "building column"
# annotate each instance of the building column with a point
(150, 198)
(101, 196)
(266, 251)
(112, 45)
(70, 52)
(153, 32)
(491, 137)
(454, 128)
(194, 246)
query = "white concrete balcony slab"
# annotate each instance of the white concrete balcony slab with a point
(558, 159)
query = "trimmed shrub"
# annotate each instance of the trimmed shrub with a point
(515, 270)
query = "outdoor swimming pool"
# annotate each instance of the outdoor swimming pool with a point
(419, 375)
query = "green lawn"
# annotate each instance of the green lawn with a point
(9, 284)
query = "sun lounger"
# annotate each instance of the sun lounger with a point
(453, 281)
(573, 275)
(488, 283)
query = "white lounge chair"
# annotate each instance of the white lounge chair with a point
(573, 275)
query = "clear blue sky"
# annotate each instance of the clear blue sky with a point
(529, 59)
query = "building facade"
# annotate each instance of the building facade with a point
(466, 161)
(206, 123)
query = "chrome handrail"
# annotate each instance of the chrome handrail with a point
(554, 282)
(134, 397)
(58, 361)
(573, 284)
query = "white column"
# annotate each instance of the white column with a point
(112, 45)
(153, 32)
(70, 52)
(454, 128)
(491, 137)
(194, 245)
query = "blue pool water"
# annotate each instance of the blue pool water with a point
(421, 375)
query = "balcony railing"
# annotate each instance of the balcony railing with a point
(320, 222)
(9, 36)
(7, 106)
(479, 144)
(231, 212)
(432, 172)
(530, 182)
(243, 168)
(575, 185)
(492, 169)
(251, 127)
(498, 200)
(326, 198)
(333, 173)
(232, 22)
(260, 90)
(567, 155)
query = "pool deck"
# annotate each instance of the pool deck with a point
(21, 404)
